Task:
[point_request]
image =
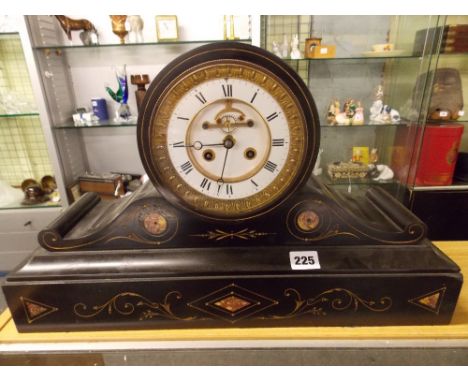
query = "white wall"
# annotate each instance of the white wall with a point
(92, 69)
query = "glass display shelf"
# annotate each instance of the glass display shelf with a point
(443, 55)
(351, 58)
(152, 43)
(108, 123)
(356, 181)
(447, 121)
(18, 205)
(455, 186)
(364, 126)
(15, 115)
(9, 34)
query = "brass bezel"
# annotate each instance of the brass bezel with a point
(170, 177)
(218, 53)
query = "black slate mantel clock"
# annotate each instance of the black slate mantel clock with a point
(232, 230)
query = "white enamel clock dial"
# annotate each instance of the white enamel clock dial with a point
(228, 138)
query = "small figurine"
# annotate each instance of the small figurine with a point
(384, 172)
(379, 93)
(284, 48)
(121, 96)
(358, 118)
(333, 110)
(295, 52)
(374, 156)
(352, 113)
(317, 171)
(350, 109)
(89, 35)
(136, 25)
(375, 110)
(342, 119)
(394, 115)
(337, 107)
(381, 114)
(276, 49)
(345, 117)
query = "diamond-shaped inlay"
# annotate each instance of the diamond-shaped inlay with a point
(232, 303)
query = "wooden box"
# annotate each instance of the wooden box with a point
(321, 51)
(108, 186)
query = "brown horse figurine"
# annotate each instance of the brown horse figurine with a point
(68, 25)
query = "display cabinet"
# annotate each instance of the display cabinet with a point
(25, 151)
(419, 62)
(360, 60)
(72, 74)
(439, 183)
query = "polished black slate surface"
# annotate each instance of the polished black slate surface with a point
(374, 219)
(231, 262)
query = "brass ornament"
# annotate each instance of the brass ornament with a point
(118, 26)
(336, 299)
(155, 223)
(307, 220)
(127, 303)
(244, 234)
(303, 225)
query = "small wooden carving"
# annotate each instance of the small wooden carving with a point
(68, 25)
(140, 80)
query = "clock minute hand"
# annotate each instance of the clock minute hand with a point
(228, 143)
(197, 145)
(220, 180)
